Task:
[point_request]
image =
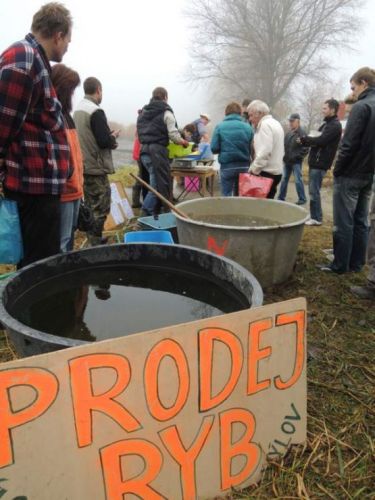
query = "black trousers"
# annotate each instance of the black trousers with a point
(276, 180)
(40, 225)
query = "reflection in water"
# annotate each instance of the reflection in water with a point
(100, 304)
(102, 291)
(68, 307)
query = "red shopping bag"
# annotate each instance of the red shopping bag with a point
(255, 186)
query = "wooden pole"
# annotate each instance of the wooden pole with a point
(161, 197)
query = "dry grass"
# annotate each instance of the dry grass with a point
(337, 460)
(122, 174)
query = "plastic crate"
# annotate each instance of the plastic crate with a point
(165, 222)
(148, 237)
(191, 184)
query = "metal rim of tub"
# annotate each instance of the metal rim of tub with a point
(184, 204)
(13, 324)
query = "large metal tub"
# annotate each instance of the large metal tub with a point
(269, 252)
(186, 262)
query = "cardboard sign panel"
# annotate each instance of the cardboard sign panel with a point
(121, 209)
(183, 412)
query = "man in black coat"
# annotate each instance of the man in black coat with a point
(353, 177)
(293, 158)
(321, 156)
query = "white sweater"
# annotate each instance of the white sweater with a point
(269, 147)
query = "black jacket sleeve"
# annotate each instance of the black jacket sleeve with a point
(330, 133)
(352, 138)
(304, 149)
(101, 131)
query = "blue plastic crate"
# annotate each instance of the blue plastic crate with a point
(148, 237)
(165, 222)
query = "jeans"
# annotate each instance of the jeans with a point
(351, 200)
(296, 168)
(229, 178)
(68, 222)
(371, 244)
(150, 201)
(315, 183)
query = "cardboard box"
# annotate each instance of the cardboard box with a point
(121, 210)
(182, 412)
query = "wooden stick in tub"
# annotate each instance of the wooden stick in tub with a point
(161, 197)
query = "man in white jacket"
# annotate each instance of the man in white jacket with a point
(268, 144)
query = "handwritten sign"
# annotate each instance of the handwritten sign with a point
(182, 412)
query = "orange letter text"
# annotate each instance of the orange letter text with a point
(45, 385)
(298, 318)
(116, 487)
(165, 348)
(186, 457)
(85, 401)
(244, 447)
(255, 355)
(207, 338)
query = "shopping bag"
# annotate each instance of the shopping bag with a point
(11, 249)
(86, 220)
(255, 186)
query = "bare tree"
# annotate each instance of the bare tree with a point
(309, 99)
(258, 48)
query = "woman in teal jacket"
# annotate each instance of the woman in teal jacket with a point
(232, 139)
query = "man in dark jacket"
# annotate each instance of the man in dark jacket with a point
(321, 156)
(353, 176)
(156, 126)
(293, 158)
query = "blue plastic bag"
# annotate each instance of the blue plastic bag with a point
(11, 250)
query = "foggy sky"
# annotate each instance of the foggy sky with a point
(134, 46)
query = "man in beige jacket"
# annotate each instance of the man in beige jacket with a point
(268, 144)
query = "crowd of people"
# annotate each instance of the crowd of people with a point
(50, 159)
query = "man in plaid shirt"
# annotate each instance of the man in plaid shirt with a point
(34, 152)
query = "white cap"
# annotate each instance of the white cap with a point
(205, 115)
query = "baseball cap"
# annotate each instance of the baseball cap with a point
(205, 115)
(294, 116)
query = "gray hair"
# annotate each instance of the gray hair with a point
(259, 107)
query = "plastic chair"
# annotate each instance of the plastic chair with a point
(148, 237)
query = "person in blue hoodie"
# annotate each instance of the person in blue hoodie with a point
(232, 140)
